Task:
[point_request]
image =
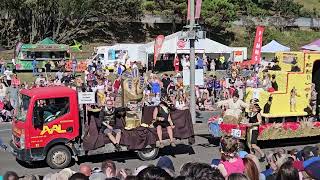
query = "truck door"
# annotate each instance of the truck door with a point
(52, 120)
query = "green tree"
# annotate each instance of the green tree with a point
(169, 8)
(218, 13)
(63, 20)
(287, 8)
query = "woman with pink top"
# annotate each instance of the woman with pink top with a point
(230, 161)
(15, 80)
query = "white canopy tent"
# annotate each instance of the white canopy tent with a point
(170, 46)
(273, 47)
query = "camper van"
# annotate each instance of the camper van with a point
(119, 53)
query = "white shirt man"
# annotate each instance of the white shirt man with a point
(184, 62)
(234, 106)
(39, 79)
(8, 74)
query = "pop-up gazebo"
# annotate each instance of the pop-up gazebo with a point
(273, 47)
(314, 46)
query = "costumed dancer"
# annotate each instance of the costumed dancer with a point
(107, 114)
(293, 101)
(313, 99)
(255, 119)
(234, 107)
(162, 119)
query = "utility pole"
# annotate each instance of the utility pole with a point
(192, 63)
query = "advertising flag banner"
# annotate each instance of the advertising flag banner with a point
(188, 15)
(157, 48)
(198, 9)
(256, 51)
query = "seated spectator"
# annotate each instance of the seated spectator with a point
(85, 169)
(125, 174)
(154, 173)
(78, 176)
(10, 175)
(200, 171)
(97, 176)
(3, 92)
(139, 169)
(200, 104)
(171, 88)
(166, 164)
(7, 111)
(181, 102)
(251, 170)
(266, 83)
(312, 170)
(156, 100)
(109, 169)
(39, 79)
(238, 176)
(288, 172)
(296, 162)
(64, 174)
(275, 160)
(30, 177)
(15, 80)
(230, 161)
(207, 101)
(147, 100)
(3, 81)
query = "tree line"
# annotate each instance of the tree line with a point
(67, 20)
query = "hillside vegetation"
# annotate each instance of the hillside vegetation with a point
(310, 5)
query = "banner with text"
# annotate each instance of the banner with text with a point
(256, 51)
(188, 13)
(157, 48)
(198, 9)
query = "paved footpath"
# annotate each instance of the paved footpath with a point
(201, 151)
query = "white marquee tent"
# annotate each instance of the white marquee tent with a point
(170, 46)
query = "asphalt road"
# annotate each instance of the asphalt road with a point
(201, 151)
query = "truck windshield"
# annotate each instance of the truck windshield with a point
(23, 107)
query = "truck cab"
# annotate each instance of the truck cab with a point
(46, 117)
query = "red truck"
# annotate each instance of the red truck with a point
(62, 135)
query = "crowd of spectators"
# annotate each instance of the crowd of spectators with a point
(97, 77)
(234, 164)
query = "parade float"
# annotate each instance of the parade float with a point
(291, 111)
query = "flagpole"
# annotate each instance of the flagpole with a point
(192, 64)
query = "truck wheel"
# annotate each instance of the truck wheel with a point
(148, 154)
(58, 157)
